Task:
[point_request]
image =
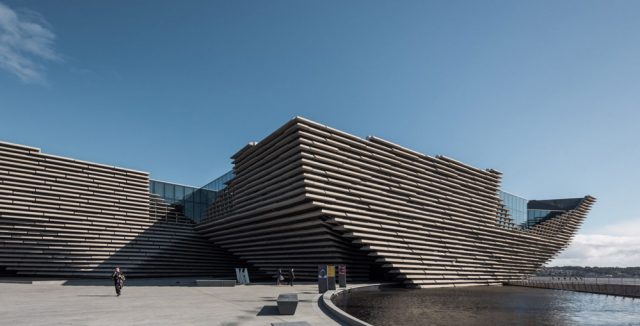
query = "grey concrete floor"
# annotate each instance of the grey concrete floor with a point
(145, 304)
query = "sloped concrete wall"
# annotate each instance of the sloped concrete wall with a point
(64, 217)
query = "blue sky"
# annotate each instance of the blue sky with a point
(545, 91)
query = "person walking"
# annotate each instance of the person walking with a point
(280, 277)
(292, 276)
(118, 280)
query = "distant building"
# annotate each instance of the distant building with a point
(305, 195)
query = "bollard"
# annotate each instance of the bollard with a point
(331, 277)
(342, 275)
(323, 283)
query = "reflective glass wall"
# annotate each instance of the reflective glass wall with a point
(191, 201)
(219, 183)
(522, 215)
(516, 205)
(535, 216)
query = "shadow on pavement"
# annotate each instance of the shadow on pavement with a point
(169, 281)
(269, 311)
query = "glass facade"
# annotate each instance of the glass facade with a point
(535, 216)
(517, 207)
(191, 201)
(219, 183)
(522, 215)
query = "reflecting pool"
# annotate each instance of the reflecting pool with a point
(488, 305)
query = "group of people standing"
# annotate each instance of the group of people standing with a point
(289, 277)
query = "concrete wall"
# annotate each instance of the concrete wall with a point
(265, 218)
(307, 194)
(64, 217)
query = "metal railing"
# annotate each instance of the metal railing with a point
(628, 287)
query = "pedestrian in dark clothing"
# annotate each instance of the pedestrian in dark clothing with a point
(292, 276)
(280, 277)
(118, 280)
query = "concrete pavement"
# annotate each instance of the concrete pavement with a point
(89, 303)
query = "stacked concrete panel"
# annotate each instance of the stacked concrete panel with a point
(305, 195)
(265, 218)
(63, 217)
(310, 194)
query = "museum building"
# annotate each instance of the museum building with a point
(307, 194)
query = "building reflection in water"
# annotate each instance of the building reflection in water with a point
(488, 305)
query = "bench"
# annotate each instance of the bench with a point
(219, 283)
(287, 303)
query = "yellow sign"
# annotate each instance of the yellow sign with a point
(331, 272)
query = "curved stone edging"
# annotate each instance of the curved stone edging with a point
(341, 314)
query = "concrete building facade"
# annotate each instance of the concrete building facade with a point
(305, 195)
(70, 218)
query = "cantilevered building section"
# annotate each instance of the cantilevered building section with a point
(310, 194)
(305, 195)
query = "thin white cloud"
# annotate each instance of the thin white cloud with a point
(618, 245)
(26, 42)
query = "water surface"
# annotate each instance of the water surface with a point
(489, 305)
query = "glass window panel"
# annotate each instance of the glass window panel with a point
(169, 191)
(160, 189)
(179, 192)
(211, 196)
(188, 209)
(188, 193)
(197, 211)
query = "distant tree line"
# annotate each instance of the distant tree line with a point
(579, 271)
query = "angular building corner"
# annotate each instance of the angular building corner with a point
(310, 194)
(305, 195)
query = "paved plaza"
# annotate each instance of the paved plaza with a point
(152, 303)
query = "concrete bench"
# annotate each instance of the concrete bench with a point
(287, 303)
(218, 283)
